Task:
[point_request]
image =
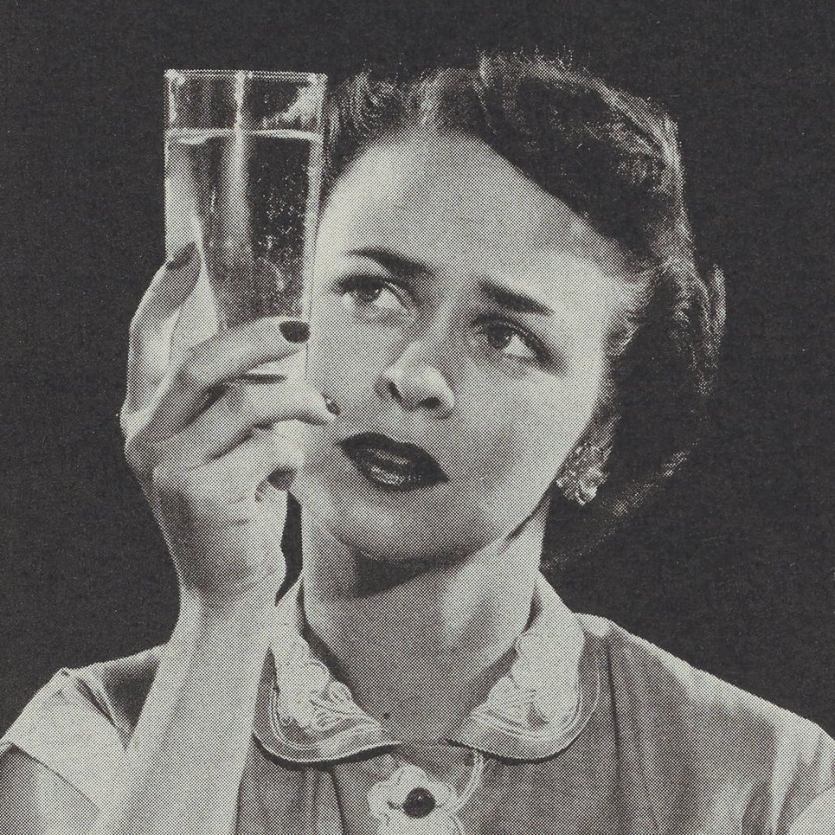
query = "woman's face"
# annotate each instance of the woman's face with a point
(459, 320)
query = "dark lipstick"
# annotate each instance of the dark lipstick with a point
(390, 464)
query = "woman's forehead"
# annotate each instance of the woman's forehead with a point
(452, 196)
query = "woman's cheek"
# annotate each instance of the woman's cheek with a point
(352, 357)
(539, 431)
(334, 353)
(507, 440)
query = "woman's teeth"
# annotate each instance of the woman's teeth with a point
(391, 464)
(393, 479)
(389, 470)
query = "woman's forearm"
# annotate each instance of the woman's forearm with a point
(204, 444)
(186, 756)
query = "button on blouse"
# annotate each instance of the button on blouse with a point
(590, 731)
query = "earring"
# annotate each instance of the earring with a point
(582, 473)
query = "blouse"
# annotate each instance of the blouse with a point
(590, 731)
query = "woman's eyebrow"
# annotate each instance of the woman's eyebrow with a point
(392, 262)
(513, 301)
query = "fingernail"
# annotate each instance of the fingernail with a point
(331, 406)
(295, 331)
(263, 379)
(182, 257)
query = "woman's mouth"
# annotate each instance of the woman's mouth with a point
(392, 465)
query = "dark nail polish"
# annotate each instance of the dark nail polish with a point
(262, 379)
(331, 406)
(182, 257)
(295, 331)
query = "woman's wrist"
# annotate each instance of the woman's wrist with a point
(251, 602)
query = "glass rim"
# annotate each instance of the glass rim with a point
(271, 75)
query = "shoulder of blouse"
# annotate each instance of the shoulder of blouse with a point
(79, 723)
(694, 737)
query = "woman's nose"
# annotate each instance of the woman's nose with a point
(416, 384)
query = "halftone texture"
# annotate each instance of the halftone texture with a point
(601, 733)
(242, 174)
(613, 159)
(664, 748)
(244, 196)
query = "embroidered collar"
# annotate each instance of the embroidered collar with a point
(304, 715)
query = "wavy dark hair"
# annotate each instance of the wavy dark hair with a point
(614, 159)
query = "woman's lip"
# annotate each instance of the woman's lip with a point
(391, 463)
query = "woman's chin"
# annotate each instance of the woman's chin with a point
(385, 541)
(439, 524)
(383, 533)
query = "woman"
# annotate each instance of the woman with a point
(508, 317)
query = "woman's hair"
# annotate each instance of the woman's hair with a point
(614, 159)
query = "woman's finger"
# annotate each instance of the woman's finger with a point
(224, 531)
(225, 490)
(266, 453)
(239, 413)
(153, 325)
(209, 365)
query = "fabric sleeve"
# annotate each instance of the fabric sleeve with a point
(66, 731)
(79, 724)
(803, 776)
(36, 801)
(819, 816)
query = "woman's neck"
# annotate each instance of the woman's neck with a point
(419, 645)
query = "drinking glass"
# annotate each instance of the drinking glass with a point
(243, 164)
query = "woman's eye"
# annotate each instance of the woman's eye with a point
(370, 294)
(509, 342)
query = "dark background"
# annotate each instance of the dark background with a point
(731, 568)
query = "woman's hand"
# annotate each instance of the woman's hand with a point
(203, 443)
